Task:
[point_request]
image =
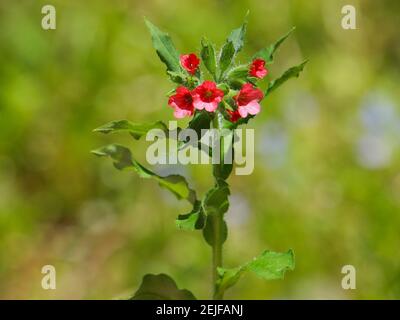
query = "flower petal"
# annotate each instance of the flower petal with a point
(253, 107)
(197, 102)
(211, 106)
(180, 113)
(242, 111)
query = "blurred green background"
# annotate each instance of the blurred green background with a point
(326, 181)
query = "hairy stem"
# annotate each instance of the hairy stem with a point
(217, 243)
(217, 254)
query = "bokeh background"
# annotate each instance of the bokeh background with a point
(326, 181)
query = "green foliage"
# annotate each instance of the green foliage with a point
(193, 220)
(216, 199)
(201, 120)
(164, 47)
(56, 86)
(223, 169)
(161, 287)
(238, 76)
(177, 77)
(207, 55)
(269, 266)
(215, 204)
(267, 53)
(123, 161)
(137, 130)
(237, 36)
(215, 231)
(207, 214)
(232, 46)
(226, 57)
(289, 73)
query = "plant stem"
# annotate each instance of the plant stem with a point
(217, 243)
(217, 254)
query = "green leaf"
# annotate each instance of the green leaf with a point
(269, 266)
(268, 53)
(272, 265)
(201, 120)
(237, 36)
(161, 287)
(207, 54)
(215, 204)
(226, 57)
(234, 43)
(290, 73)
(216, 199)
(177, 77)
(239, 72)
(164, 47)
(193, 220)
(223, 169)
(238, 76)
(137, 130)
(123, 161)
(210, 231)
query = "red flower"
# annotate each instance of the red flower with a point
(207, 96)
(182, 102)
(257, 68)
(248, 100)
(234, 115)
(190, 62)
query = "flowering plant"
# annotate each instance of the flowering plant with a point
(230, 97)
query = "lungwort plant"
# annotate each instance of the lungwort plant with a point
(216, 93)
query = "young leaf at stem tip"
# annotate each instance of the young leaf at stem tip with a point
(226, 57)
(234, 43)
(237, 35)
(208, 56)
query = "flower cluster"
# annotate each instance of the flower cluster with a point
(234, 102)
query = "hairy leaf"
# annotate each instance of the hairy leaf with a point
(208, 56)
(123, 161)
(177, 77)
(137, 130)
(223, 169)
(268, 53)
(226, 57)
(234, 43)
(238, 76)
(161, 287)
(269, 266)
(216, 199)
(210, 231)
(237, 36)
(289, 73)
(201, 120)
(215, 204)
(164, 47)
